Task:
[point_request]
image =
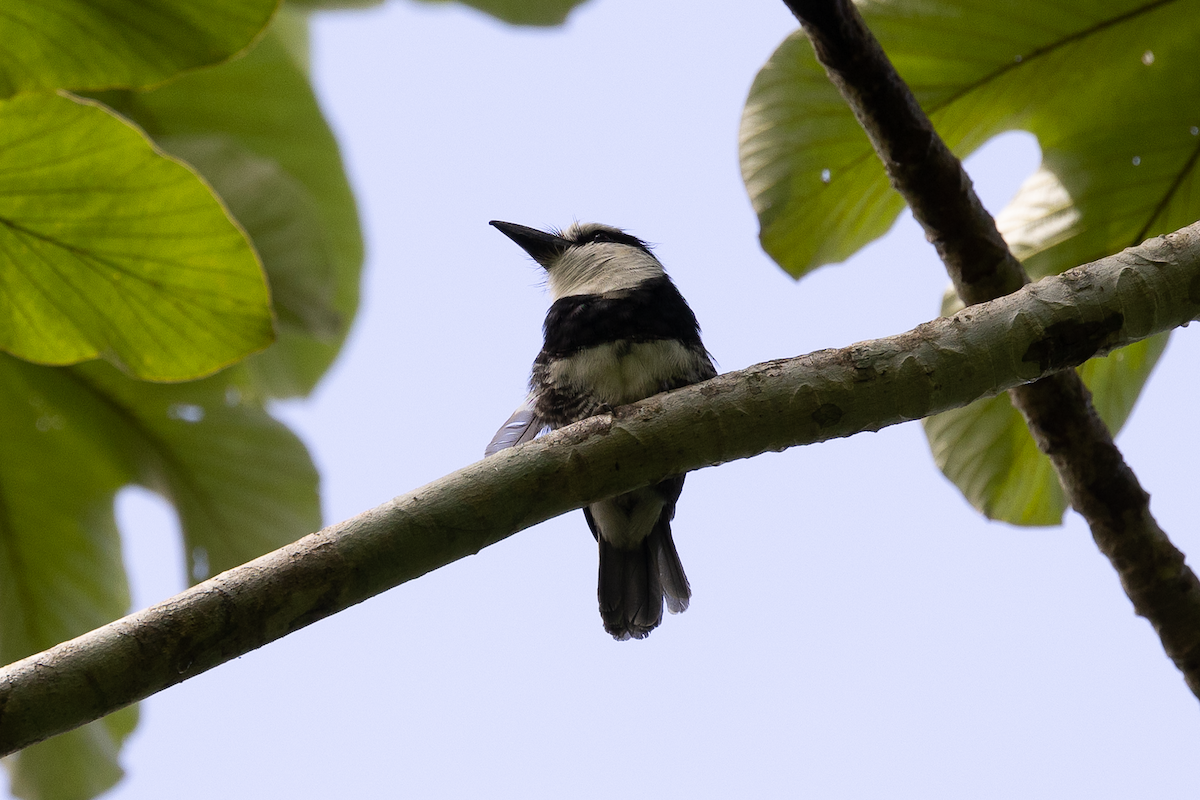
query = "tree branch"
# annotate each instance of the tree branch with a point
(1097, 481)
(940, 365)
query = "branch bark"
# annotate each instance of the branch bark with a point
(937, 366)
(1097, 481)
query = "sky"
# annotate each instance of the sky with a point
(856, 630)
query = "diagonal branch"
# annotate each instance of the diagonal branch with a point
(943, 364)
(1058, 409)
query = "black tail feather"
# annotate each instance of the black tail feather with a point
(633, 582)
(666, 563)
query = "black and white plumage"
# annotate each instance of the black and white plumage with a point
(617, 331)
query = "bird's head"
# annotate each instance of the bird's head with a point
(586, 258)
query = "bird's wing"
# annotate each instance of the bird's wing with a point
(523, 426)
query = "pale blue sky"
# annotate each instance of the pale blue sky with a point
(857, 631)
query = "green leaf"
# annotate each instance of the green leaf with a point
(241, 482)
(985, 448)
(284, 222)
(812, 176)
(60, 556)
(253, 128)
(111, 249)
(98, 44)
(314, 5)
(69, 439)
(1116, 380)
(76, 765)
(1100, 82)
(1111, 91)
(524, 12)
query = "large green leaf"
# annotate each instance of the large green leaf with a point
(60, 556)
(1111, 91)
(985, 448)
(253, 128)
(818, 189)
(69, 439)
(75, 765)
(524, 12)
(241, 483)
(111, 249)
(284, 222)
(314, 5)
(515, 12)
(1102, 83)
(99, 44)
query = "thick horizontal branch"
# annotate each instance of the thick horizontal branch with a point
(1061, 418)
(937, 366)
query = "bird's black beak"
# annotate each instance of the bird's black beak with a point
(543, 247)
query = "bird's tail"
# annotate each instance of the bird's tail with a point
(634, 582)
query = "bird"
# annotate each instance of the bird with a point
(617, 331)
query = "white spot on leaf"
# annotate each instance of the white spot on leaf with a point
(186, 412)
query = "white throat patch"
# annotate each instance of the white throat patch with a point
(601, 267)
